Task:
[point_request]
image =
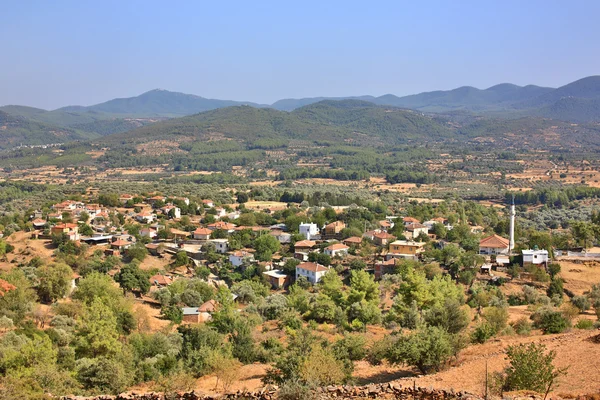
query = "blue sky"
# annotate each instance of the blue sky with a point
(57, 53)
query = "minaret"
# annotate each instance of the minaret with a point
(511, 245)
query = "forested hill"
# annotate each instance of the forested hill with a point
(159, 103)
(15, 130)
(327, 121)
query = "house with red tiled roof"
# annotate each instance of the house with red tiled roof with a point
(494, 244)
(410, 220)
(385, 224)
(383, 238)
(71, 230)
(384, 267)
(226, 226)
(161, 280)
(38, 223)
(334, 228)
(120, 244)
(336, 249)
(353, 241)
(313, 272)
(208, 203)
(202, 234)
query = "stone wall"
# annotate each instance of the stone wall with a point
(379, 391)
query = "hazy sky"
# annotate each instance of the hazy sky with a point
(57, 53)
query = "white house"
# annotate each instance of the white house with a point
(149, 232)
(412, 231)
(208, 203)
(170, 208)
(145, 217)
(336, 249)
(313, 272)
(238, 258)
(308, 230)
(535, 257)
(221, 245)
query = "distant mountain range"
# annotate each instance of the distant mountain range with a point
(578, 101)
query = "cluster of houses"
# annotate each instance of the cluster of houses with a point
(328, 240)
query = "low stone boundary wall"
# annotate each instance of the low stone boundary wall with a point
(374, 391)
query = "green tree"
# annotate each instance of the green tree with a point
(428, 348)
(530, 368)
(266, 246)
(137, 252)
(131, 277)
(55, 281)
(98, 331)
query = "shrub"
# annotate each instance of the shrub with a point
(482, 333)
(584, 324)
(352, 347)
(581, 302)
(295, 390)
(428, 348)
(522, 326)
(530, 368)
(379, 351)
(550, 321)
(496, 317)
(555, 288)
(553, 269)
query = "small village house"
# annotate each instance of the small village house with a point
(221, 245)
(383, 238)
(535, 257)
(277, 278)
(352, 241)
(308, 230)
(240, 257)
(334, 228)
(202, 234)
(407, 249)
(412, 231)
(313, 272)
(71, 230)
(336, 249)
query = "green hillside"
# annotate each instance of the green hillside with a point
(327, 121)
(16, 130)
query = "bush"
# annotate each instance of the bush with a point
(550, 321)
(428, 348)
(581, 302)
(496, 317)
(584, 324)
(555, 288)
(553, 269)
(482, 333)
(351, 347)
(522, 326)
(530, 368)
(295, 390)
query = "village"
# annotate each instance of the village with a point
(306, 244)
(358, 275)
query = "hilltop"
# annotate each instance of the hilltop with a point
(158, 103)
